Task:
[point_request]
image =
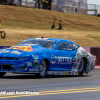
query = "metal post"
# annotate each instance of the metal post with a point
(7, 2)
(26, 3)
(68, 6)
(79, 9)
(20, 3)
(86, 8)
(95, 10)
(58, 5)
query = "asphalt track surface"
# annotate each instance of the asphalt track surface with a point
(86, 87)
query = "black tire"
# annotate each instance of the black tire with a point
(43, 69)
(2, 74)
(81, 68)
(3, 34)
(53, 26)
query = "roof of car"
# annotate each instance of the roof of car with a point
(56, 39)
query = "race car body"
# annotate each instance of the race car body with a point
(46, 56)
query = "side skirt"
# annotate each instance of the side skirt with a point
(62, 72)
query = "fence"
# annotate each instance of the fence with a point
(70, 6)
(93, 9)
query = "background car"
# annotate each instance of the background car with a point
(46, 56)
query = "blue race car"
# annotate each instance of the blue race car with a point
(46, 56)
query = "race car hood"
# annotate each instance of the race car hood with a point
(20, 51)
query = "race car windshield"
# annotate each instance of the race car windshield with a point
(44, 43)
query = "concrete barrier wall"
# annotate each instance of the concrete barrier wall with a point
(93, 50)
(96, 51)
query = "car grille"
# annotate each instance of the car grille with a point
(6, 67)
(11, 67)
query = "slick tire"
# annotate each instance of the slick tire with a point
(43, 69)
(81, 67)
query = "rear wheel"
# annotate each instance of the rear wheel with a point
(81, 68)
(43, 69)
(2, 74)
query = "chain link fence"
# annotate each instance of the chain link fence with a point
(73, 7)
(78, 7)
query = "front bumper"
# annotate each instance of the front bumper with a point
(19, 66)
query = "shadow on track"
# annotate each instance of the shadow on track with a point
(32, 76)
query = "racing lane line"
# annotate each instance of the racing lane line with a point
(50, 93)
(55, 92)
(71, 89)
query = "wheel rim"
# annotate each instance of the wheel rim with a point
(43, 68)
(81, 65)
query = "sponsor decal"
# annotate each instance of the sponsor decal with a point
(4, 51)
(53, 73)
(23, 48)
(73, 73)
(61, 60)
(62, 73)
(84, 56)
(9, 51)
(35, 57)
(66, 73)
(15, 52)
(36, 62)
(56, 73)
(31, 70)
(29, 63)
(36, 70)
(36, 65)
(69, 73)
(59, 73)
(76, 73)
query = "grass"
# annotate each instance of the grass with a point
(83, 38)
(22, 23)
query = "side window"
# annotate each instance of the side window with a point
(61, 46)
(67, 46)
(75, 46)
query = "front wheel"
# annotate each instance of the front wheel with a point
(2, 74)
(43, 69)
(81, 68)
